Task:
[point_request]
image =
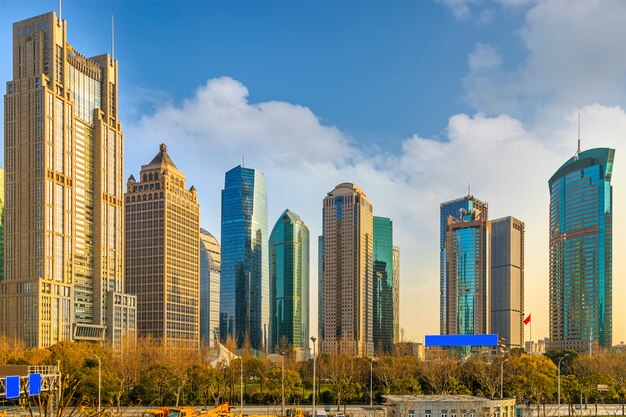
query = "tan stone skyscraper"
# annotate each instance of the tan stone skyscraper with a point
(347, 272)
(163, 253)
(64, 258)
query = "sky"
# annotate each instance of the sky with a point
(411, 100)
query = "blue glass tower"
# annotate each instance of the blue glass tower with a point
(244, 290)
(456, 209)
(581, 246)
(289, 283)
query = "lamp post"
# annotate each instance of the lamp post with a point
(559, 381)
(282, 383)
(99, 379)
(502, 378)
(313, 339)
(241, 384)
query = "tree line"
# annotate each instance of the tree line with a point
(144, 373)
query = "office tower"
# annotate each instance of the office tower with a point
(348, 228)
(162, 253)
(210, 266)
(465, 267)
(581, 246)
(320, 287)
(383, 295)
(507, 280)
(1, 225)
(64, 207)
(396, 294)
(289, 283)
(245, 286)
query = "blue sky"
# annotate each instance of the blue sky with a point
(411, 100)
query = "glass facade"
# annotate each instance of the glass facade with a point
(383, 296)
(452, 209)
(210, 266)
(289, 283)
(581, 243)
(464, 267)
(244, 290)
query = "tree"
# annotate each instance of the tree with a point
(443, 377)
(531, 379)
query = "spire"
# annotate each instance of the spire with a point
(577, 152)
(163, 148)
(469, 189)
(112, 37)
(59, 12)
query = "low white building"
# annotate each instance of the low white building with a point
(448, 406)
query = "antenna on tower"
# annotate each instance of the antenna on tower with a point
(578, 134)
(243, 160)
(469, 189)
(112, 37)
(59, 12)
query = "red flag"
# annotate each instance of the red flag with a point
(527, 319)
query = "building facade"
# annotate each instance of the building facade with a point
(348, 262)
(64, 202)
(466, 283)
(507, 280)
(162, 256)
(449, 405)
(210, 267)
(1, 225)
(384, 291)
(289, 283)
(581, 251)
(396, 294)
(245, 287)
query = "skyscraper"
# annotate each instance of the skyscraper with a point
(507, 280)
(289, 282)
(245, 287)
(383, 295)
(465, 267)
(581, 251)
(396, 294)
(162, 253)
(210, 267)
(64, 224)
(348, 229)
(1, 225)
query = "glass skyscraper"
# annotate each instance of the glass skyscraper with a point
(244, 290)
(289, 283)
(464, 267)
(383, 296)
(581, 244)
(210, 265)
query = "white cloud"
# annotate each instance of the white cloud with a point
(507, 163)
(574, 58)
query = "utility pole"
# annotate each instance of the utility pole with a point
(502, 378)
(282, 383)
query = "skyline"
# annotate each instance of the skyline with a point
(474, 145)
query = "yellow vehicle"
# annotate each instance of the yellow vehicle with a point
(295, 412)
(155, 412)
(219, 411)
(181, 412)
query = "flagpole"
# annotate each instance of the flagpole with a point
(531, 332)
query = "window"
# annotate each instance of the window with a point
(411, 413)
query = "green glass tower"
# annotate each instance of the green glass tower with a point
(384, 326)
(581, 251)
(289, 283)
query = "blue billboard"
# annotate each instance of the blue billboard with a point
(12, 385)
(449, 340)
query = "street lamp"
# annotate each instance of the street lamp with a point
(372, 360)
(559, 380)
(282, 382)
(502, 378)
(99, 379)
(241, 384)
(313, 339)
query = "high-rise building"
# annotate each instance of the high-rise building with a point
(245, 286)
(581, 251)
(383, 295)
(1, 225)
(162, 253)
(348, 256)
(64, 206)
(396, 294)
(210, 266)
(465, 267)
(507, 280)
(289, 283)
